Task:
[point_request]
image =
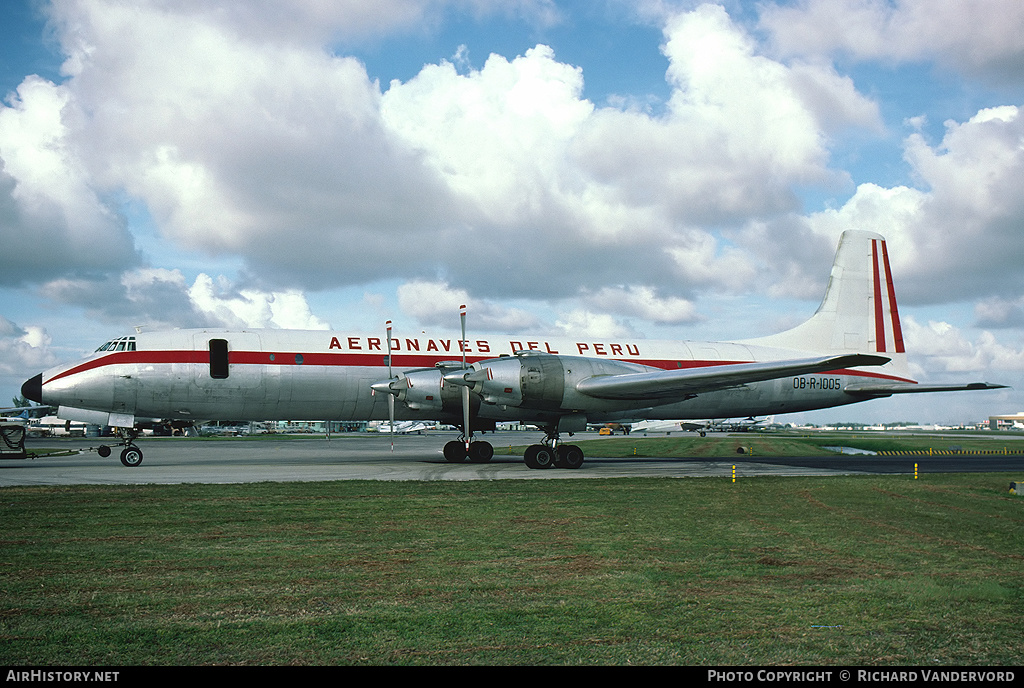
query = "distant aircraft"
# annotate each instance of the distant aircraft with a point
(22, 417)
(405, 427)
(55, 426)
(705, 427)
(666, 426)
(849, 351)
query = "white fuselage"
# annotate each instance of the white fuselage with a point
(291, 374)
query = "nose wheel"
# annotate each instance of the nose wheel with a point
(131, 455)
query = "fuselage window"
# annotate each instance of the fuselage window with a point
(219, 359)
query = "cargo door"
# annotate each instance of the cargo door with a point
(228, 375)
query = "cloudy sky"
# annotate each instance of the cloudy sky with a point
(645, 169)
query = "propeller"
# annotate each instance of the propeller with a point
(465, 389)
(391, 397)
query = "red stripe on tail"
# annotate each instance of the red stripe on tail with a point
(894, 313)
(879, 317)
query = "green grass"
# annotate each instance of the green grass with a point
(849, 570)
(776, 444)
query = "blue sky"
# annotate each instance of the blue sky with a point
(645, 169)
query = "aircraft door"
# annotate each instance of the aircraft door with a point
(231, 366)
(126, 393)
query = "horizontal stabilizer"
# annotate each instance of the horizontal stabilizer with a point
(667, 384)
(876, 390)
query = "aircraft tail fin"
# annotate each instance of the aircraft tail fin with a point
(858, 313)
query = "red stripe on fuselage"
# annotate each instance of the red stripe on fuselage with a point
(138, 358)
(372, 360)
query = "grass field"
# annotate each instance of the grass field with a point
(717, 445)
(847, 570)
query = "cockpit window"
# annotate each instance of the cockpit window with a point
(120, 344)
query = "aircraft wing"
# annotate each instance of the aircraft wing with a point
(885, 390)
(666, 384)
(21, 412)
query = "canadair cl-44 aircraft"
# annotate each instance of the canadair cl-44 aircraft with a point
(850, 350)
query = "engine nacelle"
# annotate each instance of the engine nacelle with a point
(425, 390)
(540, 381)
(538, 384)
(530, 381)
(422, 389)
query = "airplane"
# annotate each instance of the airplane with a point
(850, 350)
(705, 427)
(701, 427)
(22, 417)
(47, 425)
(666, 426)
(408, 427)
(54, 426)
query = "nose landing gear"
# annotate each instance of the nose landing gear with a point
(131, 455)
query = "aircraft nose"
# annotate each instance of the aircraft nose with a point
(33, 389)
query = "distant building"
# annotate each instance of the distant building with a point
(1009, 422)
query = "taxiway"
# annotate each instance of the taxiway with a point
(415, 457)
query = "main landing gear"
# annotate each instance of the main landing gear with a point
(549, 453)
(552, 453)
(479, 452)
(131, 456)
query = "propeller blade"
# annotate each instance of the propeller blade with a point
(391, 397)
(465, 415)
(465, 390)
(391, 419)
(388, 325)
(462, 342)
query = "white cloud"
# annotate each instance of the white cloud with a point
(244, 140)
(159, 298)
(237, 145)
(585, 323)
(983, 37)
(21, 349)
(1000, 312)
(969, 230)
(302, 21)
(958, 236)
(940, 347)
(240, 140)
(51, 218)
(497, 136)
(251, 308)
(644, 303)
(437, 304)
(740, 130)
(701, 260)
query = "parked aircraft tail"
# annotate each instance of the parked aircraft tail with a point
(858, 313)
